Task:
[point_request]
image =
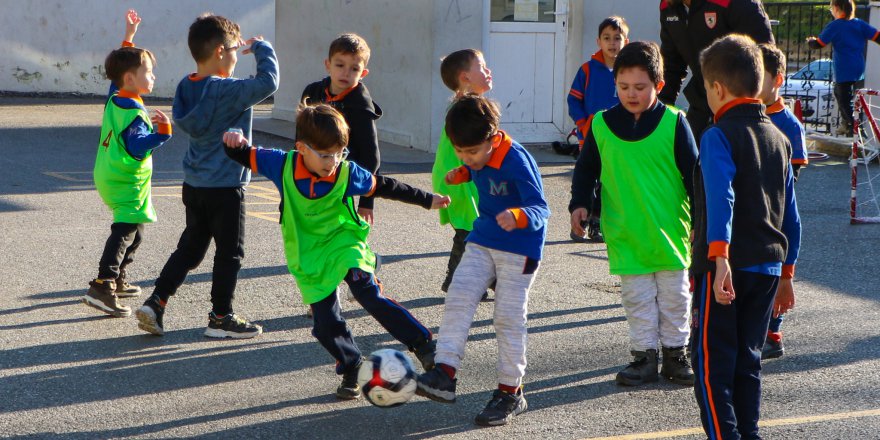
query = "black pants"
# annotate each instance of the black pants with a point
(726, 353)
(334, 335)
(120, 248)
(216, 213)
(459, 241)
(596, 209)
(843, 93)
(699, 119)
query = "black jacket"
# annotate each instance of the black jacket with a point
(685, 32)
(360, 113)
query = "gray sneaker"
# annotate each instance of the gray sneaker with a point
(436, 385)
(501, 408)
(231, 326)
(102, 297)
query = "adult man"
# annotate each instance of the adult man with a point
(689, 26)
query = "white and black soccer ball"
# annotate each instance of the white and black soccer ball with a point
(387, 378)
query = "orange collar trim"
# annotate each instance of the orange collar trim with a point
(196, 77)
(599, 56)
(341, 95)
(776, 107)
(126, 94)
(500, 151)
(734, 103)
(301, 172)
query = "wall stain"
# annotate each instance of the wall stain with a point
(61, 66)
(24, 76)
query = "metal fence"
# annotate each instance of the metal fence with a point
(809, 79)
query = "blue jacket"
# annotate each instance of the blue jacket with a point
(204, 108)
(592, 91)
(848, 38)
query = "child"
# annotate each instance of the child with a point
(343, 89)
(592, 91)
(747, 235)
(325, 241)
(791, 127)
(505, 245)
(124, 167)
(206, 103)
(647, 211)
(464, 72)
(848, 36)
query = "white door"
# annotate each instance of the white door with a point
(526, 52)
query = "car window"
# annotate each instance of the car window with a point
(815, 71)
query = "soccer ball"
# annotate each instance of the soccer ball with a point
(387, 378)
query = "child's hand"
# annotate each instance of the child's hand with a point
(784, 297)
(440, 201)
(234, 138)
(250, 42)
(132, 20)
(506, 220)
(367, 214)
(723, 286)
(809, 39)
(578, 218)
(159, 118)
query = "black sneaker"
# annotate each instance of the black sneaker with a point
(101, 296)
(149, 316)
(231, 326)
(772, 349)
(124, 289)
(425, 353)
(436, 385)
(577, 238)
(593, 232)
(349, 388)
(501, 408)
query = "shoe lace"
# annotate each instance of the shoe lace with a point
(501, 401)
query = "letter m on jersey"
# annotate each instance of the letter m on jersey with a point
(497, 189)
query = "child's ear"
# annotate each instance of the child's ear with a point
(463, 79)
(364, 73)
(625, 41)
(660, 85)
(327, 65)
(718, 90)
(778, 81)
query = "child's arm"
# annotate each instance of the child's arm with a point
(791, 227)
(533, 213)
(140, 140)
(268, 162)
(823, 39)
(458, 176)
(363, 141)
(686, 156)
(674, 68)
(363, 183)
(576, 109)
(252, 91)
(132, 20)
(587, 170)
(718, 171)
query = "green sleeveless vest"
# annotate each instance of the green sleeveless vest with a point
(323, 238)
(462, 210)
(123, 182)
(645, 209)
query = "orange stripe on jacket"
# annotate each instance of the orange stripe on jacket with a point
(460, 176)
(253, 159)
(712, 412)
(522, 220)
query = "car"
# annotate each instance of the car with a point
(813, 85)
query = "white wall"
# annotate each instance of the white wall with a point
(60, 45)
(643, 17)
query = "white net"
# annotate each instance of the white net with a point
(864, 206)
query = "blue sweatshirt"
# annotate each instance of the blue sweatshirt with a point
(848, 38)
(138, 138)
(509, 181)
(592, 91)
(204, 108)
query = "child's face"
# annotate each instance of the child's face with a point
(477, 79)
(477, 156)
(322, 162)
(610, 41)
(635, 89)
(141, 81)
(770, 88)
(345, 70)
(228, 58)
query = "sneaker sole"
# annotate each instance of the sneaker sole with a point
(348, 396)
(435, 395)
(499, 422)
(91, 302)
(772, 355)
(147, 322)
(223, 334)
(634, 383)
(679, 381)
(128, 294)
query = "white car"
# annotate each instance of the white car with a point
(813, 85)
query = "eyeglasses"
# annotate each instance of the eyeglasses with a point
(336, 157)
(233, 48)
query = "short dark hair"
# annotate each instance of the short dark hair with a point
(321, 126)
(614, 22)
(642, 54)
(735, 62)
(455, 63)
(210, 31)
(350, 44)
(774, 59)
(472, 120)
(124, 60)
(848, 7)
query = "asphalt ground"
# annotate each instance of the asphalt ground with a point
(68, 371)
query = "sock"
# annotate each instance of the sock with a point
(507, 388)
(162, 302)
(774, 336)
(448, 370)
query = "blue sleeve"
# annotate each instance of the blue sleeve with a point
(140, 140)
(827, 33)
(791, 220)
(270, 163)
(360, 181)
(868, 31)
(718, 171)
(527, 179)
(251, 91)
(797, 137)
(576, 109)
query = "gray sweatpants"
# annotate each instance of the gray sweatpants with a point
(479, 266)
(657, 306)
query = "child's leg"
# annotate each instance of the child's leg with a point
(515, 274)
(191, 247)
(227, 228)
(473, 275)
(395, 318)
(843, 93)
(123, 241)
(332, 332)
(132, 249)
(638, 294)
(458, 245)
(674, 303)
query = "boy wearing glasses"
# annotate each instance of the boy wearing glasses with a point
(206, 103)
(325, 241)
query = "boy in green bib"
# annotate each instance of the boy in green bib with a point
(124, 167)
(644, 154)
(325, 240)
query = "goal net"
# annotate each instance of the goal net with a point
(864, 207)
